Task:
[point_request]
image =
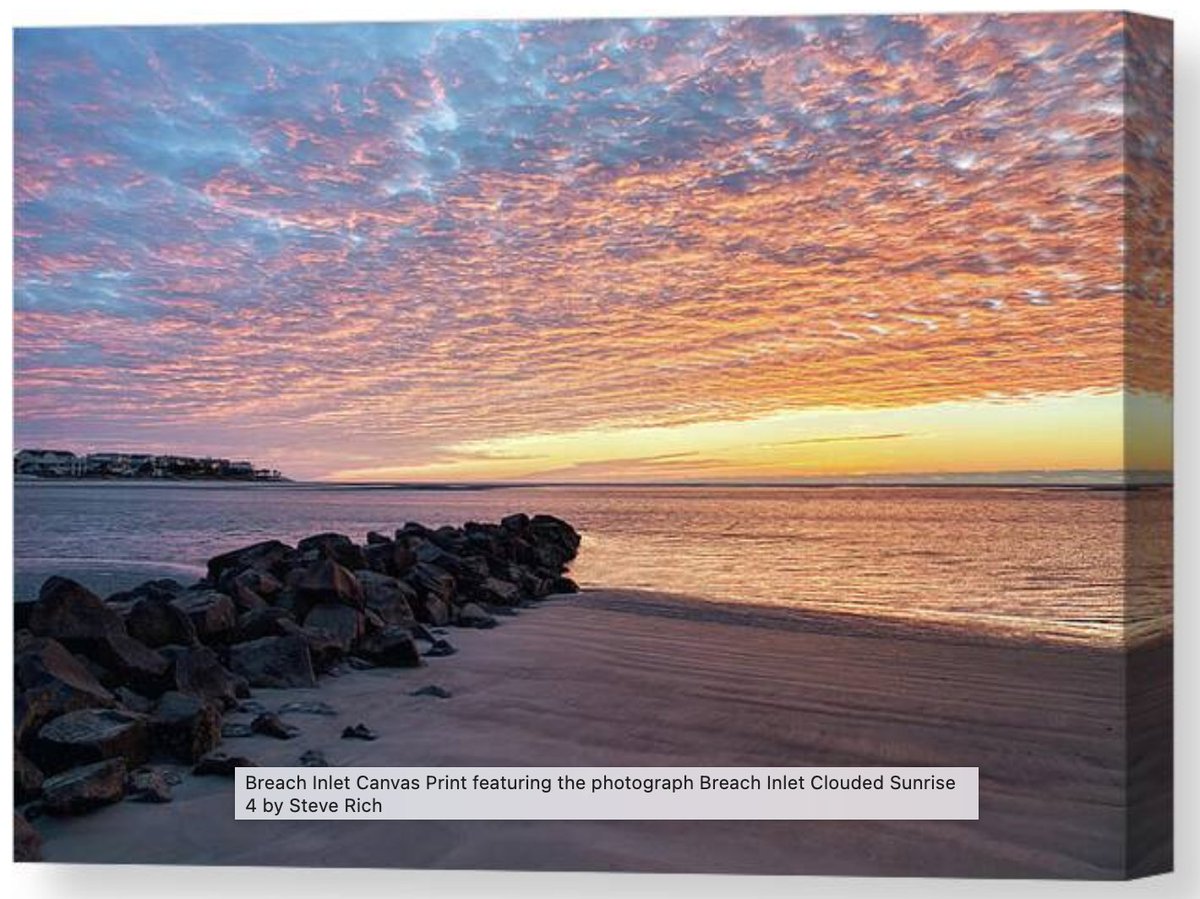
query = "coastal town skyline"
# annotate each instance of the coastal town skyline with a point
(609, 251)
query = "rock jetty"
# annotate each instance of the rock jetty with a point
(106, 689)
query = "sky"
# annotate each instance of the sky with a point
(746, 249)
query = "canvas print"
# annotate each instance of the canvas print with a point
(666, 393)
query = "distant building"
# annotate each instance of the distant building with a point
(39, 463)
(49, 463)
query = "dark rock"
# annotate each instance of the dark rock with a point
(67, 611)
(70, 613)
(389, 558)
(199, 672)
(432, 581)
(270, 556)
(325, 649)
(392, 647)
(497, 592)
(313, 758)
(344, 623)
(91, 735)
(213, 614)
(271, 725)
(155, 622)
(185, 726)
(359, 732)
(517, 522)
(218, 764)
(27, 779)
(472, 615)
(391, 599)
(459, 566)
(273, 662)
(307, 708)
(439, 648)
(130, 663)
(262, 583)
(259, 623)
(84, 788)
(134, 701)
(160, 588)
(245, 599)
(251, 589)
(328, 582)
(148, 785)
(421, 632)
(335, 547)
(436, 611)
(374, 538)
(27, 842)
(562, 584)
(50, 682)
(22, 612)
(432, 690)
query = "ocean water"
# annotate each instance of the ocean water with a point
(1050, 564)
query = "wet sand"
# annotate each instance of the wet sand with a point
(627, 678)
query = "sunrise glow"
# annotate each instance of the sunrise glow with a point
(616, 251)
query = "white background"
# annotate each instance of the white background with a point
(124, 882)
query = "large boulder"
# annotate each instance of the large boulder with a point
(252, 589)
(22, 612)
(129, 662)
(547, 529)
(516, 522)
(71, 613)
(27, 779)
(392, 647)
(270, 556)
(273, 662)
(91, 735)
(391, 599)
(344, 623)
(327, 581)
(561, 584)
(244, 598)
(389, 557)
(325, 649)
(199, 673)
(50, 682)
(213, 614)
(159, 588)
(335, 547)
(473, 615)
(84, 788)
(435, 590)
(496, 591)
(27, 842)
(185, 726)
(263, 623)
(155, 621)
(76, 617)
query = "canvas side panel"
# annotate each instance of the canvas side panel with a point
(1148, 291)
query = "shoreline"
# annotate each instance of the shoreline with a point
(611, 678)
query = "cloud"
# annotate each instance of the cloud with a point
(422, 235)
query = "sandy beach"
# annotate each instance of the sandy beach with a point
(623, 678)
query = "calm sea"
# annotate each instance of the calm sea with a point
(1022, 562)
